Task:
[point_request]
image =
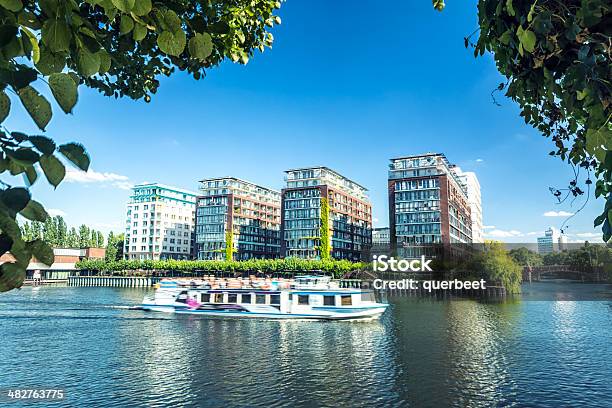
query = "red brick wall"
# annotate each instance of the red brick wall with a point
(93, 253)
(444, 218)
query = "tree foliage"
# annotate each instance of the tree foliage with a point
(118, 47)
(495, 264)
(114, 247)
(525, 257)
(292, 265)
(54, 232)
(556, 56)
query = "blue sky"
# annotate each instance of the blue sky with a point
(347, 85)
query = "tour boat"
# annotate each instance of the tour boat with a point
(306, 298)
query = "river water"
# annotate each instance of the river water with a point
(423, 352)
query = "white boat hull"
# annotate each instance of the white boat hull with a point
(370, 313)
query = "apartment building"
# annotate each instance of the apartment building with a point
(159, 223)
(313, 195)
(429, 211)
(239, 215)
(472, 185)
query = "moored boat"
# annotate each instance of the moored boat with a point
(306, 297)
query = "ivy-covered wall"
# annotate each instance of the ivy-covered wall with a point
(325, 248)
(229, 246)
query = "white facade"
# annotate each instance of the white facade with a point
(562, 242)
(381, 236)
(469, 179)
(551, 241)
(160, 223)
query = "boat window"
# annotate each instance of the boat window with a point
(290, 296)
(329, 300)
(205, 297)
(232, 298)
(182, 297)
(246, 298)
(346, 300)
(275, 299)
(260, 299)
(218, 297)
(302, 299)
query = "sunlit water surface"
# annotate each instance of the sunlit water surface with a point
(422, 353)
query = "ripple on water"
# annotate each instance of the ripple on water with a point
(422, 353)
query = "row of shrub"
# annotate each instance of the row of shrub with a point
(337, 268)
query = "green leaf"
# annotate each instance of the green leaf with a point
(5, 106)
(126, 25)
(139, 33)
(142, 7)
(24, 156)
(34, 42)
(53, 168)
(87, 63)
(36, 105)
(527, 39)
(76, 154)
(31, 174)
(172, 43)
(531, 11)
(596, 140)
(15, 198)
(8, 32)
(18, 76)
(50, 62)
(509, 8)
(41, 251)
(43, 144)
(64, 90)
(124, 5)
(34, 211)
(5, 243)
(172, 21)
(12, 5)
(9, 226)
(56, 35)
(220, 27)
(105, 61)
(11, 276)
(200, 46)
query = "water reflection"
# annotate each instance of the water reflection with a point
(422, 353)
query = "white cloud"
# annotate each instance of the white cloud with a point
(479, 160)
(488, 227)
(497, 233)
(557, 214)
(92, 176)
(123, 185)
(55, 212)
(374, 220)
(588, 234)
(532, 233)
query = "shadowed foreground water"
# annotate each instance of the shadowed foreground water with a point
(422, 353)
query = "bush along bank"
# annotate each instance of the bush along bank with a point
(268, 266)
